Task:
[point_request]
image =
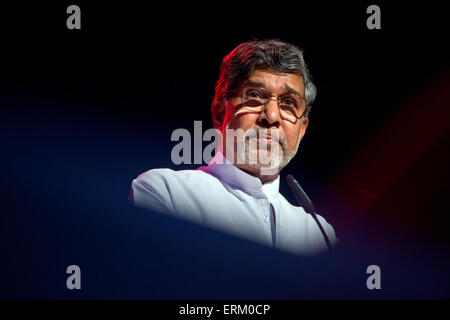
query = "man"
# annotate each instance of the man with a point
(261, 106)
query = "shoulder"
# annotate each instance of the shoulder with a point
(165, 178)
(165, 185)
(178, 193)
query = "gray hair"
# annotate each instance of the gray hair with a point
(263, 54)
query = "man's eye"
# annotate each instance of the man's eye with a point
(254, 94)
(289, 102)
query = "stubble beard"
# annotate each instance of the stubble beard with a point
(260, 155)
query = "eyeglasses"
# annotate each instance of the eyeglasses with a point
(291, 106)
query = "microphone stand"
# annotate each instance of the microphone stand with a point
(306, 203)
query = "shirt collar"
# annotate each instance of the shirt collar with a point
(224, 170)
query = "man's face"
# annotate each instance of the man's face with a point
(268, 120)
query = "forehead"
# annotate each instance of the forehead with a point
(277, 81)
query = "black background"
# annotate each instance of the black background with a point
(83, 112)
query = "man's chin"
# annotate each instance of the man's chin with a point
(265, 158)
(264, 166)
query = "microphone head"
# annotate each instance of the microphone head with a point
(290, 178)
(300, 195)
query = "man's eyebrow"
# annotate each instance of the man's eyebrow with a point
(253, 83)
(256, 83)
(292, 90)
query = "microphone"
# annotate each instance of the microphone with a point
(306, 203)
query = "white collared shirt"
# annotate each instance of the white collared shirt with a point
(225, 198)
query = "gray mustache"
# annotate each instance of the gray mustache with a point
(263, 133)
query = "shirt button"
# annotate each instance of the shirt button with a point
(266, 219)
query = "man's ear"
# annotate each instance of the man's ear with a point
(303, 127)
(218, 111)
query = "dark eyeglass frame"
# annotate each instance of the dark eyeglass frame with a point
(251, 103)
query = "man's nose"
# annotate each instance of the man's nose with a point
(270, 117)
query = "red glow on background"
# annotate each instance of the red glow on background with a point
(385, 153)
